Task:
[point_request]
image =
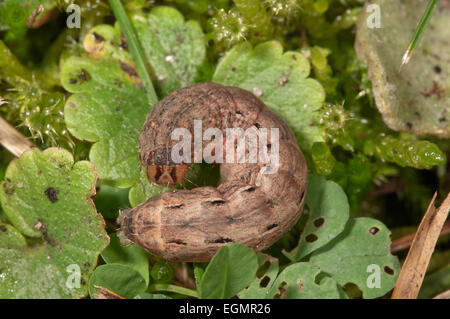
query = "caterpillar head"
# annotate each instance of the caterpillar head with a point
(166, 175)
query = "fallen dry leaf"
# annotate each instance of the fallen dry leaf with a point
(416, 263)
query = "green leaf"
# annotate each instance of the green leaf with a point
(328, 215)
(231, 269)
(132, 256)
(359, 255)
(143, 190)
(109, 200)
(280, 81)
(120, 279)
(54, 226)
(265, 277)
(434, 284)
(303, 281)
(412, 98)
(174, 48)
(146, 295)
(107, 109)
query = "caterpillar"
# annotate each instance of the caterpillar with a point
(249, 206)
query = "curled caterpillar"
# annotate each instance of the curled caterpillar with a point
(249, 207)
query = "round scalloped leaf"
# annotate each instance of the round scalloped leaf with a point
(174, 48)
(413, 98)
(280, 81)
(109, 109)
(55, 230)
(328, 215)
(361, 255)
(301, 281)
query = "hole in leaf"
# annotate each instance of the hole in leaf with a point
(318, 222)
(389, 270)
(311, 238)
(263, 269)
(301, 286)
(352, 290)
(374, 230)
(264, 282)
(281, 290)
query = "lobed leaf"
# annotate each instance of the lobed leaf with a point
(54, 229)
(280, 81)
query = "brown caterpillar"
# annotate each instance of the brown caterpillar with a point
(248, 207)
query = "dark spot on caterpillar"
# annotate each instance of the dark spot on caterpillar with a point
(128, 69)
(8, 188)
(311, 238)
(84, 76)
(73, 81)
(257, 125)
(221, 240)
(409, 125)
(389, 270)
(174, 206)
(271, 226)
(239, 112)
(319, 222)
(269, 147)
(215, 202)
(173, 174)
(52, 194)
(178, 242)
(98, 37)
(374, 230)
(270, 203)
(3, 228)
(251, 189)
(437, 69)
(158, 172)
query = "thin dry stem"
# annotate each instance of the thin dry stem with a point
(13, 140)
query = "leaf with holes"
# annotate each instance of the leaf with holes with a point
(265, 276)
(304, 281)
(120, 279)
(131, 255)
(231, 269)
(55, 235)
(360, 255)
(328, 215)
(280, 81)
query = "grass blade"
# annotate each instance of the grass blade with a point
(420, 29)
(135, 48)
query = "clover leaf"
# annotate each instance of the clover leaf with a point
(50, 245)
(231, 269)
(280, 81)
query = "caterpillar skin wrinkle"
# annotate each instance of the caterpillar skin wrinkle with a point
(248, 207)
